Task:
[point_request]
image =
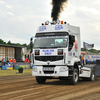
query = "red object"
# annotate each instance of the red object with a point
(68, 53)
(60, 53)
(9, 60)
(62, 22)
(83, 53)
(36, 53)
(76, 44)
(25, 60)
(14, 61)
(28, 61)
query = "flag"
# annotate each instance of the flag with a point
(87, 45)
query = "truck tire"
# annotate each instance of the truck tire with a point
(40, 80)
(74, 79)
(92, 77)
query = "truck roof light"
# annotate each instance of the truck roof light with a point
(58, 21)
(62, 22)
(42, 23)
(47, 22)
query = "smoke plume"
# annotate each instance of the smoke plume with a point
(58, 6)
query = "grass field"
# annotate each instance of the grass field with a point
(15, 72)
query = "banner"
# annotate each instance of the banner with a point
(87, 45)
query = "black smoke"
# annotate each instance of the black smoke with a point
(58, 6)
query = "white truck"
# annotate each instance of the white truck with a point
(56, 54)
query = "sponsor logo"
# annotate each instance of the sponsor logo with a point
(48, 52)
(70, 53)
(58, 27)
(42, 28)
(48, 62)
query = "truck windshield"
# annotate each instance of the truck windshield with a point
(48, 42)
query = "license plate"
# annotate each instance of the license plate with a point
(48, 69)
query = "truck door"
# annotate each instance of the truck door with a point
(71, 49)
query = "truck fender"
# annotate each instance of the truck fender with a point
(74, 60)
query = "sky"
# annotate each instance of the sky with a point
(19, 19)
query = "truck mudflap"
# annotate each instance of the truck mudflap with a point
(97, 68)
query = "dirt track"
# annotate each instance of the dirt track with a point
(26, 88)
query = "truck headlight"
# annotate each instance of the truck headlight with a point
(35, 69)
(63, 69)
(37, 52)
(60, 51)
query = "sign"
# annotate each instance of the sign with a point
(70, 53)
(48, 52)
(42, 28)
(58, 27)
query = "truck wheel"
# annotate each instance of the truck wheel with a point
(92, 77)
(40, 79)
(75, 77)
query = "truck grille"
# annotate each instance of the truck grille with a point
(50, 58)
(48, 72)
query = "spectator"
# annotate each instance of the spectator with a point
(26, 60)
(28, 56)
(14, 62)
(3, 61)
(9, 60)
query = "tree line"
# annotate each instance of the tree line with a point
(14, 44)
(91, 50)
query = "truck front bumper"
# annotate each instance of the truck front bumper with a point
(50, 71)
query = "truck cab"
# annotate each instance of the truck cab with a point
(56, 52)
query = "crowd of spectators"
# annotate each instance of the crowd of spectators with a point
(27, 60)
(10, 63)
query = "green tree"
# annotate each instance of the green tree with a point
(2, 42)
(9, 42)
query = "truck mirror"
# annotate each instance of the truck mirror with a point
(73, 38)
(31, 44)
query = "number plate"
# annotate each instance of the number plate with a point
(48, 69)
